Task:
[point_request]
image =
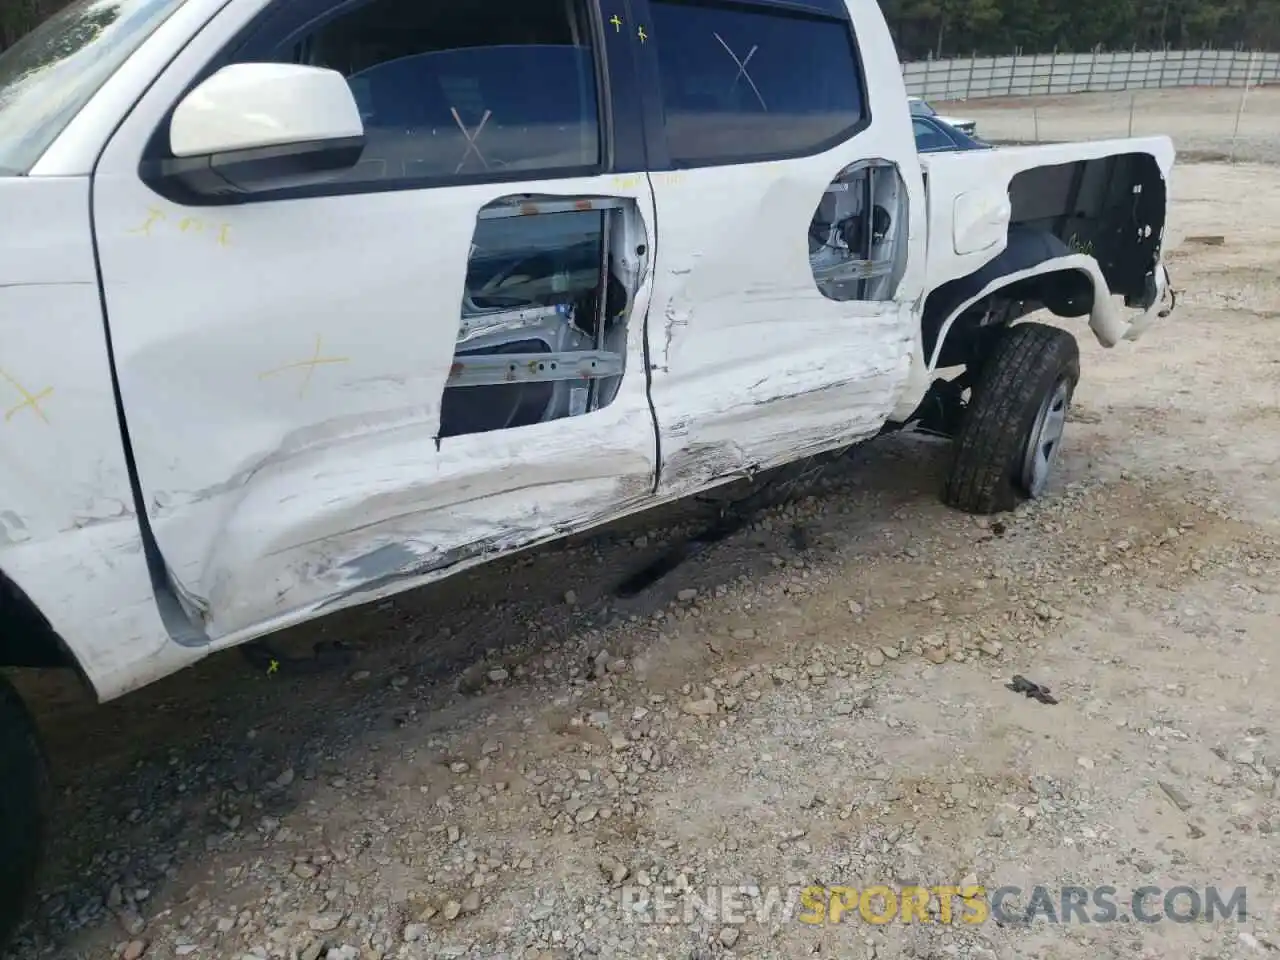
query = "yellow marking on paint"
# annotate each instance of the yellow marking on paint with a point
(273, 667)
(153, 217)
(617, 23)
(221, 231)
(309, 365)
(29, 399)
(642, 35)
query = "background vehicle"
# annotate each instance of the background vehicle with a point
(305, 304)
(933, 135)
(921, 108)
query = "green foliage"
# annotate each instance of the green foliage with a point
(959, 27)
(944, 28)
(76, 27)
(17, 17)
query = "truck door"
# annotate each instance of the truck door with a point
(788, 189)
(334, 391)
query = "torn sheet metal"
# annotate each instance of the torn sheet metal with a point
(969, 210)
(545, 313)
(752, 363)
(319, 411)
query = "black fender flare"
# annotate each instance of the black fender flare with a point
(1067, 293)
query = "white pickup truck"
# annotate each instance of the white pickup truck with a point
(304, 303)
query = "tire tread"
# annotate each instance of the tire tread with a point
(1027, 360)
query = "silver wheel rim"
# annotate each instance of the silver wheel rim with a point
(1045, 439)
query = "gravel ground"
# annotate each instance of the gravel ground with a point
(1202, 121)
(513, 760)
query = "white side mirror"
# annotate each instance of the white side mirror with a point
(249, 106)
(255, 128)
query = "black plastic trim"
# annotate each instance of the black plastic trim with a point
(231, 177)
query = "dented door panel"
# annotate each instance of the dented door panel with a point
(335, 397)
(285, 410)
(785, 312)
(753, 365)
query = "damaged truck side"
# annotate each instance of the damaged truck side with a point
(304, 303)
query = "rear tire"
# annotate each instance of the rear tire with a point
(1012, 429)
(24, 802)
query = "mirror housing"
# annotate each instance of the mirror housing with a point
(255, 127)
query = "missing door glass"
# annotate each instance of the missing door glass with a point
(543, 328)
(858, 235)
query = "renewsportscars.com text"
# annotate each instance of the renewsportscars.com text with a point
(942, 904)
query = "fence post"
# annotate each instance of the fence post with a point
(1133, 96)
(1244, 95)
(1013, 68)
(968, 83)
(1093, 63)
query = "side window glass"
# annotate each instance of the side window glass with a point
(451, 90)
(741, 85)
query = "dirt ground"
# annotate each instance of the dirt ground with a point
(1203, 122)
(517, 765)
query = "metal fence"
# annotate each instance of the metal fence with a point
(1052, 73)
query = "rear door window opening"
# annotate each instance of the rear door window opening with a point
(740, 84)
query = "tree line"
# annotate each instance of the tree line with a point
(951, 28)
(943, 28)
(19, 16)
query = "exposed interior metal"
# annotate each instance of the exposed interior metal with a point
(543, 327)
(857, 238)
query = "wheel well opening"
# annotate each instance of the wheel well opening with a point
(27, 639)
(1064, 293)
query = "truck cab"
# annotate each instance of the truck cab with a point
(304, 303)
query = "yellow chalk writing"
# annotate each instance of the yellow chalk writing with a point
(153, 216)
(29, 399)
(221, 232)
(309, 365)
